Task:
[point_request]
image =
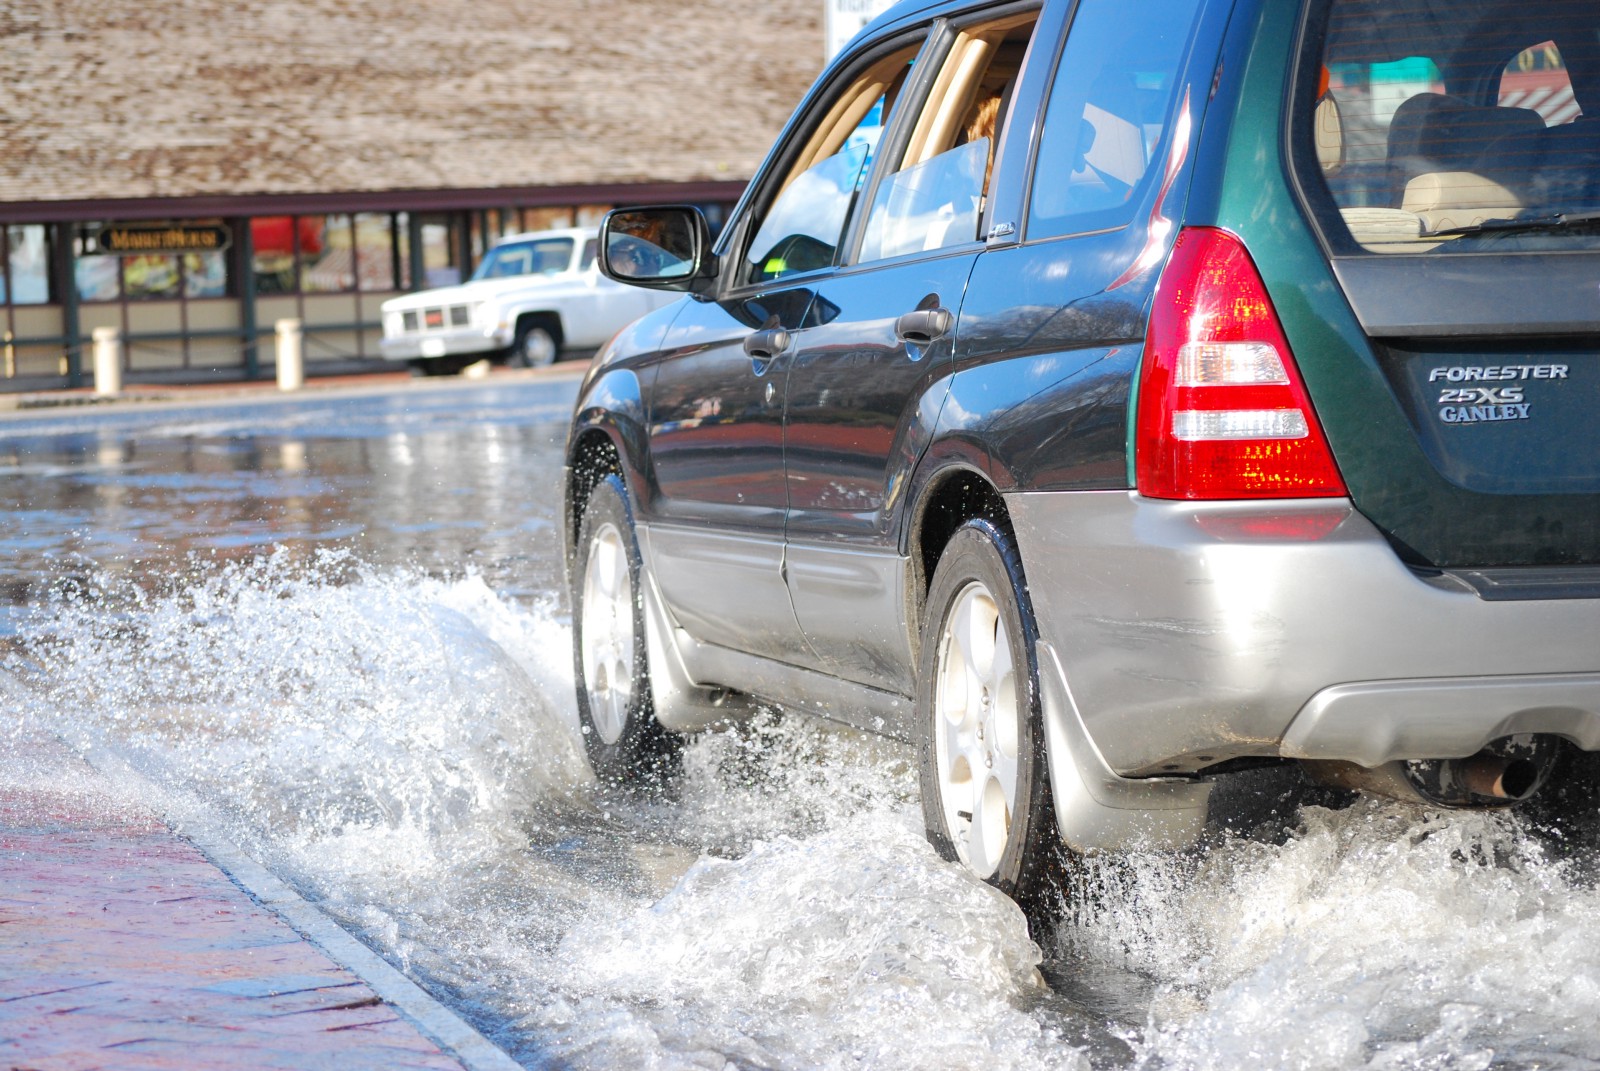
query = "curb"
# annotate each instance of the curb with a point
(435, 1021)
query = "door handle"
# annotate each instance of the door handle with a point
(922, 326)
(767, 344)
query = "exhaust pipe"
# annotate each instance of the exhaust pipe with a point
(1508, 771)
(1497, 777)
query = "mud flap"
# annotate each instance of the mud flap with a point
(1097, 810)
(680, 704)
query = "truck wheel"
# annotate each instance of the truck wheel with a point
(624, 740)
(985, 786)
(534, 347)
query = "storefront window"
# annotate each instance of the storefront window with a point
(272, 244)
(28, 266)
(331, 266)
(440, 261)
(97, 276)
(150, 275)
(106, 267)
(205, 275)
(375, 251)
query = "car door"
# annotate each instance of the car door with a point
(868, 373)
(1053, 324)
(717, 515)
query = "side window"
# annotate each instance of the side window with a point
(1105, 125)
(934, 198)
(802, 226)
(1537, 78)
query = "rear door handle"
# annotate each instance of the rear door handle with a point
(767, 344)
(922, 326)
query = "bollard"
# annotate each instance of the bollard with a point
(291, 355)
(107, 360)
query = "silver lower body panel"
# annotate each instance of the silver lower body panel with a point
(1192, 633)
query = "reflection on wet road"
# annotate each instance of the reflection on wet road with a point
(337, 622)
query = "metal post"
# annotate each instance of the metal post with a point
(65, 264)
(245, 272)
(107, 360)
(291, 355)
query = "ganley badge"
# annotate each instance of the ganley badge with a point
(1485, 399)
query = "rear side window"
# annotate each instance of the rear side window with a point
(933, 197)
(1111, 104)
(1457, 127)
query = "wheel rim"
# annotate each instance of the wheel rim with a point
(976, 725)
(608, 640)
(538, 348)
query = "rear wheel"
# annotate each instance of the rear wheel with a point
(985, 786)
(611, 661)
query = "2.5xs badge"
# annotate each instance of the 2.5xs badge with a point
(1477, 396)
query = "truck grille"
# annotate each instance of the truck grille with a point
(419, 321)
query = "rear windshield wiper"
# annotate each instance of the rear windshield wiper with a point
(1554, 222)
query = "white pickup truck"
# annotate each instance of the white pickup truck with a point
(533, 296)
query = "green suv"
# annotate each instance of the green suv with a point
(1112, 397)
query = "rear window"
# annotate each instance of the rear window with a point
(1450, 126)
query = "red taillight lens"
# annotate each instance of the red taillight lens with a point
(1222, 410)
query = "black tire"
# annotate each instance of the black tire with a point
(980, 576)
(536, 346)
(430, 367)
(611, 663)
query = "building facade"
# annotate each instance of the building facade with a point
(193, 174)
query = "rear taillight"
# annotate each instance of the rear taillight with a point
(1222, 410)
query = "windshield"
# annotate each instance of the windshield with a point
(546, 256)
(1461, 125)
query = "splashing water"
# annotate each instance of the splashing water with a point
(1382, 936)
(403, 747)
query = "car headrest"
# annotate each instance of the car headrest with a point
(1328, 130)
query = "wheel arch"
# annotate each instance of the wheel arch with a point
(948, 499)
(548, 318)
(607, 438)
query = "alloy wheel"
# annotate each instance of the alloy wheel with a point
(976, 726)
(608, 635)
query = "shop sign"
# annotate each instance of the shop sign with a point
(135, 238)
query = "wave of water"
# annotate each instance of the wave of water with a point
(403, 747)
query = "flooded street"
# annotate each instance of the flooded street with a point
(336, 622)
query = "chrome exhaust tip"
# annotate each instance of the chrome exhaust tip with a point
(1507, 771)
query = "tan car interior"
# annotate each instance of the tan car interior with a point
(1434, 140)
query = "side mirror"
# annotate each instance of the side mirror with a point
(663, 247)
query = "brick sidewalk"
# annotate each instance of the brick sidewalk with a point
(121, 946)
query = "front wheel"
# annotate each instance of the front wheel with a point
(611, 661)
(534, 347)
(985, 786)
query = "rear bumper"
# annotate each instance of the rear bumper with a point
(1192, 633)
